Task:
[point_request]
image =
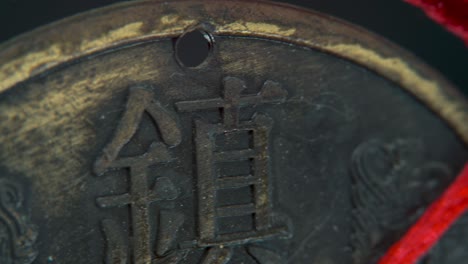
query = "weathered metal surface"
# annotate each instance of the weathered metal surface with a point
(300, 139)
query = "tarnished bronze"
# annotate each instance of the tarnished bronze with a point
(299, 139)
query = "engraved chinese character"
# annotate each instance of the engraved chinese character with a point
(141, 195)
(148, 245)
(210, 160)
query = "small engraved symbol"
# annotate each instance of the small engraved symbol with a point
(141, 195)
(212, 181)
(17, 236)
(379, 170)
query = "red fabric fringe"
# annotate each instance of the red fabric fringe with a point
(432, 225)
(453, 14)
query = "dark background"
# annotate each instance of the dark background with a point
(392, 19)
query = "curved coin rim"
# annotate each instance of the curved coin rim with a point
(119, 25)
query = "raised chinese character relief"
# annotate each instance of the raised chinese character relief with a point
(17, 235)
(230, 156)
(379, 169)
(141, 194)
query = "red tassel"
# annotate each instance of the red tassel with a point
(432, 225)
(453, 14)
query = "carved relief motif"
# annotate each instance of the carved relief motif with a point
(17, 236)
(211, 158)
(391, 186)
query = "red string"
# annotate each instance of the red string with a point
(453, 14)
(432, 225)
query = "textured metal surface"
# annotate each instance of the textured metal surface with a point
(268, 152)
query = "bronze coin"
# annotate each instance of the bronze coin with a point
(219, 132)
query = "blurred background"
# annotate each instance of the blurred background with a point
(392, 19)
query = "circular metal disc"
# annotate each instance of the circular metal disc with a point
(296, 138)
